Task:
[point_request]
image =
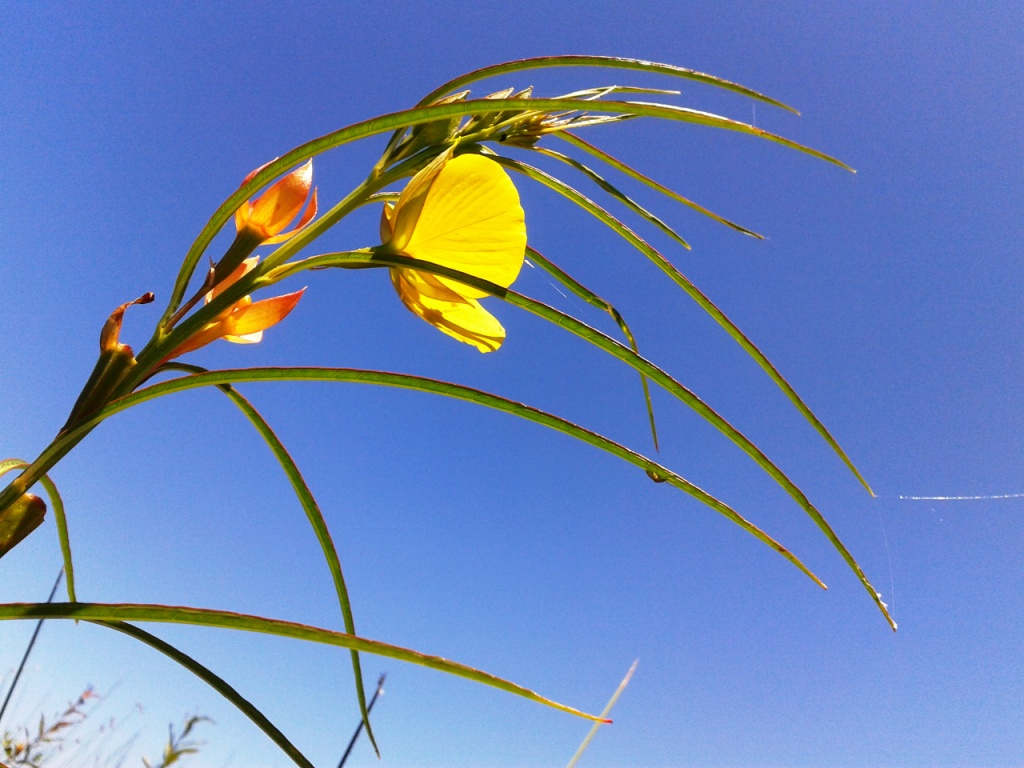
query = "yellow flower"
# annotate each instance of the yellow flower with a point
(462, 213)
(245, 320)
(267, 216)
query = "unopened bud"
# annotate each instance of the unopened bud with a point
(19, 520)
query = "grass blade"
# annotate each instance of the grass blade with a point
(607, 62)
(359, 728)
(604, 713)
(615, 192)
(205, 617)
(215, 682)
(608, 90)
(61, 521)
(9, 465)
(316, 520)
(28, 649)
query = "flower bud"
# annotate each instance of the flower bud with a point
(19, 520)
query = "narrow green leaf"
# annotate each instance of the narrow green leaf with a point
(215, 682)
(459, 392)
(172, 614)
(608, 90)
(594, 300)
(313, 514)
(695, 293)
(9, 465)
(61, 521)
(609, 62)
(614, 192)
(644, 367)
(576, 141)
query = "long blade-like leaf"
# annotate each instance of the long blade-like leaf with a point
(61, 521)
(205, 617)
(217, 683)
(457, 391)
(604, 713)
(607, 90)
(631, 358)
(695, 293)
(609, 62)
(9, 465)
(316, 520)
(586, 146)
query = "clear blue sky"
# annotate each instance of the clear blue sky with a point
(891, 299)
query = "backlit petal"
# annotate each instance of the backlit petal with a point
(244, 268)
(306, 218)
(245, 320)
(257, 316)
(410, 203)
(470, 220)
(461, 318)
(269, 214)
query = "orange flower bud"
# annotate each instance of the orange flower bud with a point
(269, 215)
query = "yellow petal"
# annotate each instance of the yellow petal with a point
(461, 318)
(410, 202)
(385, 222)
(470, 220)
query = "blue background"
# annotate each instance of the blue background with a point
(890, 300)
